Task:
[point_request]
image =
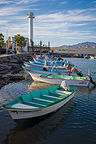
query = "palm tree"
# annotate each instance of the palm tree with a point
(1, 40)
(20, 42)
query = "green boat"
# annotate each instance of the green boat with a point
(39, 103)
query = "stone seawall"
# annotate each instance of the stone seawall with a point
(11, 65)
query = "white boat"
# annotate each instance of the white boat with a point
(39, 103)
(57, 79)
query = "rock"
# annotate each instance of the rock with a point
(2, 83)
(10, 65)
(16, 77)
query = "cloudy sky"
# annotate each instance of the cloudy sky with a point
(62, 22)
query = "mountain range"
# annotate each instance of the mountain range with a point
(79, 46)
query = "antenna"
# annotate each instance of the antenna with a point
(89, 72)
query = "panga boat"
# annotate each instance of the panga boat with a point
(44, 70)
(57, 79)
(41, 66)
(49, 62)
(39, 103)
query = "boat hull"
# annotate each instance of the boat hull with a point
(40, 66)
(24, 114)
(38, 70)
(36, 77)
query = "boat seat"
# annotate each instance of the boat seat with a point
(23, 106)
(34, 103)
(62, 92)
(54, 94)
(49, 96)
(44, 100)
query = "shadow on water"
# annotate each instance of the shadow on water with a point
(32, 130)
(91, 89)
(87, 90)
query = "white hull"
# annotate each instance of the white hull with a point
(22, 114)
(35, 77)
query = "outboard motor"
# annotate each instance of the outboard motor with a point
(44, 69)
(65, 85)
(91, 80)
(80, 74)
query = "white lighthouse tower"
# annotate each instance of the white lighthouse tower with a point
(30, 16)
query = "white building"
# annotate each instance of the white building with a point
(25, 49)
(14, 48)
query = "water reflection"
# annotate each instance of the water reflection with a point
(85, 91)
(34, 86)
(32, 130)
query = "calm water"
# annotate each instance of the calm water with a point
(73, 123)
(77, 52)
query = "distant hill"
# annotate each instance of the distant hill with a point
(79, 46)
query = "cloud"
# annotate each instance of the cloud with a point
(94, 2)
(69, 16)
(26, 1)
(61, 21)
(69, 24)
(5, 2)
(64, 2)
(3, 22)
(8, 11)
(17, 1)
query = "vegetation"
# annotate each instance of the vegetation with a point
(1, 40)
(20, 42)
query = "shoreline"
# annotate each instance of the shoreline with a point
(10, 66)
(72, 55)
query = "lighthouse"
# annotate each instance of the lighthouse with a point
(30, 16)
